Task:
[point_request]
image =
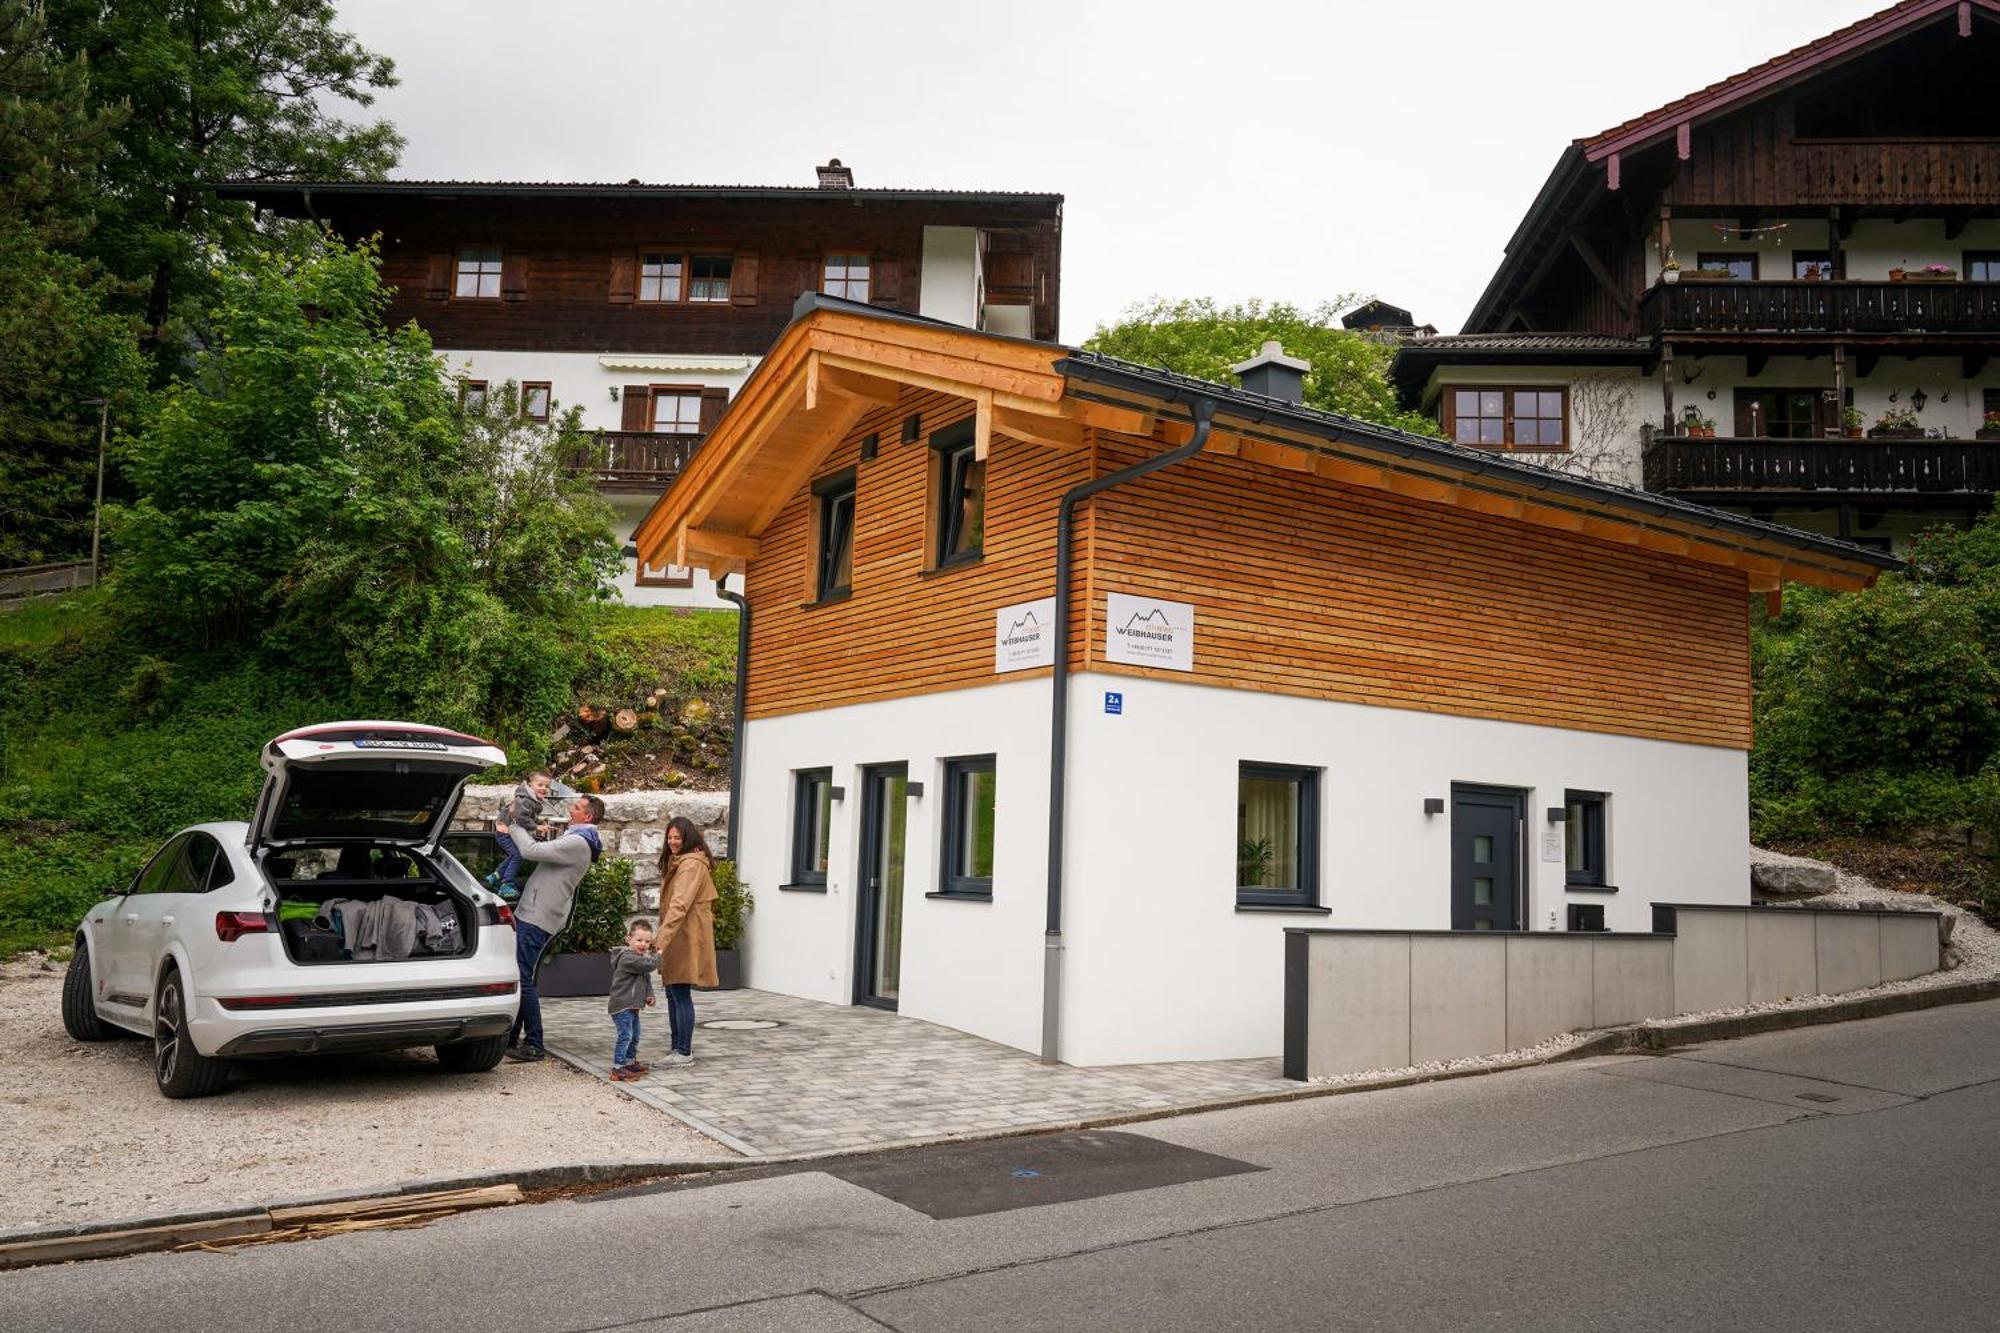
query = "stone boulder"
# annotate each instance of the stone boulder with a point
(1776, 875)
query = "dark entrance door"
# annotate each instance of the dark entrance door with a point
(1485, 858)
(878, 963)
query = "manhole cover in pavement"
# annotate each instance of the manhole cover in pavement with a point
(740, 1024)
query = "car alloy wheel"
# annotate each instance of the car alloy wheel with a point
(167, 1031)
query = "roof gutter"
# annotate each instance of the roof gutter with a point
(1202, 409)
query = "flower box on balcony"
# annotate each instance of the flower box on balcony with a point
(1986, 433)
(1895, 433)
(1708, 274)
(1929, 273)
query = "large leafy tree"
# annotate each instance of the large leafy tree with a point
(59, 346)
(1198, 337)
(215, 90)
(312, 491)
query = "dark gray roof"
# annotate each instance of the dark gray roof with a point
(1528, 342)
(611, 190)
(1415, 359)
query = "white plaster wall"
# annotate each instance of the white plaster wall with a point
(1873, 247)
(1161, 966)
(1617, 461)
(974, 966)
(950, 288)
(627, 512)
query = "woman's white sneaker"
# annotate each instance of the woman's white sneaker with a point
(674, 1061)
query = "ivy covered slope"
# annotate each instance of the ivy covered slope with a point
(1878, 722)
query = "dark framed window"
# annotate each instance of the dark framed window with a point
(1277, 836)
(1812, 265)
(1583, 834)
(961, 496)
(1507, 416)
(708, 277)
(812, 824)
(845, 275)
(1740, 265)
(1781, 414)
(535, 397)
(478, 274)
(660, 276)
(472, 395)
(834, 572)
(1982, 265)
(969, 788)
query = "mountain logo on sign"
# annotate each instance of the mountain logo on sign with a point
(1153, 617)
(1025, 622)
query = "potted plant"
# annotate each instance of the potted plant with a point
(1711, 274)
(1671, 270)
(1851, 421)
(1932, 273)
(1898, 423)
(1989, 427)
(732, 903)
(579, 958)
(1702, 428)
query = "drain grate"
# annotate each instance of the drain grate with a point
(740, 1024)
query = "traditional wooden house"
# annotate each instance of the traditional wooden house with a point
(1779, 294)
(647, 305)
(1070, 683)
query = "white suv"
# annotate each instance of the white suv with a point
(332, 921)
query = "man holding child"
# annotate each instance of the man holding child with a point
(545, 907)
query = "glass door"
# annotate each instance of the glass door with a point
(884, 821)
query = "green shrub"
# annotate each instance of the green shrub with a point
(733, 902)
(603, 906)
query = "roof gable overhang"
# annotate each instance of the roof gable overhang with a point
(838, 361)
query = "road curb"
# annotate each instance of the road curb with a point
(1638, 1037)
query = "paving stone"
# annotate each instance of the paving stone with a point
(841, 1076)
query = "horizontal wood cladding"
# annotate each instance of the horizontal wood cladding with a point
(573, 282)
(1308, 587)
(904, 629)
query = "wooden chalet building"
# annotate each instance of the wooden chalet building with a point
(1072, 683)
(1779, 294)
(648, 305)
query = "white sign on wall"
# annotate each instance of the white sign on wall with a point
(1145, 631)
(1024, 635)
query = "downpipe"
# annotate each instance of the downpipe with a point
(742, 605)
(1203, 412)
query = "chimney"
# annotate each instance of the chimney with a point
(1274, 374)
(833, 176)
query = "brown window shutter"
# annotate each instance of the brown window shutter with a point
(883, 281)
(1743, 424)
(713, 401)
(624, 279)
(513, 277)
(437, 286)
(638, 400)
(743, 278)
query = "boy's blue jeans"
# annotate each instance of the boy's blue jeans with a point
(626, 1049)
(509, 870)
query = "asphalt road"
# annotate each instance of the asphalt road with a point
(1834, 1178)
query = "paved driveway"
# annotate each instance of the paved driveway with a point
(831, 1076)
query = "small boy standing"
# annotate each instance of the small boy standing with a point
(632, 969)
(522, 818)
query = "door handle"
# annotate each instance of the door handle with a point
(131, 918)
(166, 921)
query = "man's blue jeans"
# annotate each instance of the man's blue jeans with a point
(680, 1017)
(626, 1049)
(529, 941)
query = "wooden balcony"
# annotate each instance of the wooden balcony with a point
(1913, 172)
(1782, 307)
(629, 460)
(1834, 466)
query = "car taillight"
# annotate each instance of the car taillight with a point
(505, 916)
(230, 925)
(496, 914)
(499, 988)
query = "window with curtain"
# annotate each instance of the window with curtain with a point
(660, 277)
(478, 277)
(708, 277)
(846, 275)
(1277, 836)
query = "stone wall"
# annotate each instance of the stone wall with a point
(634, 826)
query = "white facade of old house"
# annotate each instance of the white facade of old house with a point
(1159, 964)
(951, 289)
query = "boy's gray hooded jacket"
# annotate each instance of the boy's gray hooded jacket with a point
(631, 978)
(523, 813)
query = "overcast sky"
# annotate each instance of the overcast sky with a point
(1291, 151)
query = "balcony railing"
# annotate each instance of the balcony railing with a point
(1942, 467)
(1700, 306)
(1897, 171)
(637, 459)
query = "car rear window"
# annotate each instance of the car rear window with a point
(346, 802)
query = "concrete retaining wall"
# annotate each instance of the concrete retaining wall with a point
(1359, 1000)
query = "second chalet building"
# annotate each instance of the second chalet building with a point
(648, 305)
(1779, 294)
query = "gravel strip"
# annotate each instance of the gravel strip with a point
(88, 1137)
(1975, 949)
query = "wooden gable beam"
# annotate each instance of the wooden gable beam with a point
(815, 437)
(1588, 255)
(982, 425)
(1055, 432)
(822, 378)
(710, 541)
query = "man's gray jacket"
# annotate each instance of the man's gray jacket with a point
(559, 866)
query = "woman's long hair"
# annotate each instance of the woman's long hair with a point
(691, 840)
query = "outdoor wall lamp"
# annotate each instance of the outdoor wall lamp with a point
(1558, 814)
(614, 393)
(1433, 805)
(1917, 399)
(913, 789)
(836, 793)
